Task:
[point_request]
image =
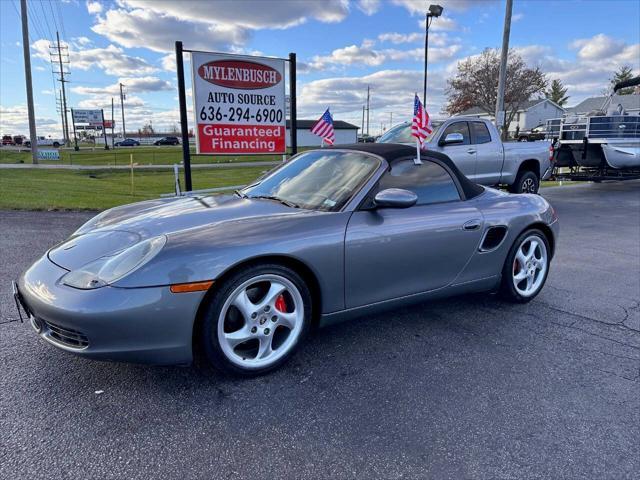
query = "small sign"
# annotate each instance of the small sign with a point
(239, 103)
(87, 117)
(500, 119)
(48, 154)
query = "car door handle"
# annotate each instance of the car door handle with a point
(472, 225)
(471, 150)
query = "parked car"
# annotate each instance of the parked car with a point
(366, 139)
(7, 140)
(167, 141)
(536, 133)
(127, 142)
(45, 142)
(18, 139)
(331, 234)
(475, 147)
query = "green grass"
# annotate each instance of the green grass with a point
(48, 189)
(122, 156)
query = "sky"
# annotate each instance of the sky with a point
(342, 47)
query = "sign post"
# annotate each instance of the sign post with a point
(182, 97)
(293, 105)
(75, 136)
(104, 131)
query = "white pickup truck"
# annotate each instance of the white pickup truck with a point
(474, 145)
(46, 142)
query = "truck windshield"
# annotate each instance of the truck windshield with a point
(402, 134)
(316, 180)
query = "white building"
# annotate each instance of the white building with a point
(530, 115)
(345, 133)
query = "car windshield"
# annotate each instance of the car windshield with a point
(316, 180)
(402, 134)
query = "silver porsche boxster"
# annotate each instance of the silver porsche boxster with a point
(329, 235)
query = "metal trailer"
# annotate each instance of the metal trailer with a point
(578, 143)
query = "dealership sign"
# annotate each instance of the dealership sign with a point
(87, 117)
(239, 103)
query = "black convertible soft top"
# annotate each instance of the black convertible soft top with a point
(395, 151)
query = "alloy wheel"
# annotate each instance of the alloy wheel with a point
(260, 321)
(530, 266)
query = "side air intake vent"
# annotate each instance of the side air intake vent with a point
(493, 238)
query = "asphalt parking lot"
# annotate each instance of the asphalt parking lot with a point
(464, 388)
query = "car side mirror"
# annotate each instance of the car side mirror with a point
(395, 198)
(452, 139)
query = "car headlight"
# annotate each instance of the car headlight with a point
(107, 270)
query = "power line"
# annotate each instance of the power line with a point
(45, 19)
(53, 16)
(60, 16)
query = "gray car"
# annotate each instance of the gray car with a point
(332, 234)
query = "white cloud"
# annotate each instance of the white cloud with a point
(111, 59)
(133, 85)
(597, 47)
(516, 17)
(252, 14)
(419, 7)
(369, 7)
(134, 28)
(81, 41)
(366, 55)
(93, 7)
(14, 121)
(397, 38)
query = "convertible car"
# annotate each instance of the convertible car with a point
(332, 234)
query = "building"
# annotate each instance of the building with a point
(531, 114)
(345, 133)
(629, 103)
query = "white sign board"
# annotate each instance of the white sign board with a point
(87, 117)
(239, 103)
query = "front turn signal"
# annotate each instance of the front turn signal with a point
(191, 287)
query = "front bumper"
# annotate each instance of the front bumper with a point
(142, 325)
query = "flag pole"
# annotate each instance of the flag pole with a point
(417, 161)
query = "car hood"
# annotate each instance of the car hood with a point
(118, 228)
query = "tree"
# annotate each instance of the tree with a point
(625, 72)
(557, 93)
(476, 84)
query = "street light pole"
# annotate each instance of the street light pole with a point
(500, 115)
(433, 12)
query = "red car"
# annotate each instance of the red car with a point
(7, 140)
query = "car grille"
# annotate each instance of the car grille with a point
(66, 336)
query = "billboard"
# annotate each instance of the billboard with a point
(87, 117)
(239, 103)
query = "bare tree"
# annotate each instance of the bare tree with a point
(476, 84)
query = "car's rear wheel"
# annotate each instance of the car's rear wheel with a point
(526, 182)
(526, 268)
(256, 319)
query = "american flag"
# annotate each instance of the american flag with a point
(421, 124)
(324, 128)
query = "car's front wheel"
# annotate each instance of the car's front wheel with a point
(526, 267)
(256, 319)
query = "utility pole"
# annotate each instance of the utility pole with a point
(113, 124)
(390, 119)
(57, 51)
(61, 111)
(27, 76)
(362, 130)
(368, 99)
(500, 116)
(124, 130)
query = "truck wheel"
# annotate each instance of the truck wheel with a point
(526, 182)
(522, 139)
(56, 144)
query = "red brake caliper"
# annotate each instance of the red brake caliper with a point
(281, 304)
